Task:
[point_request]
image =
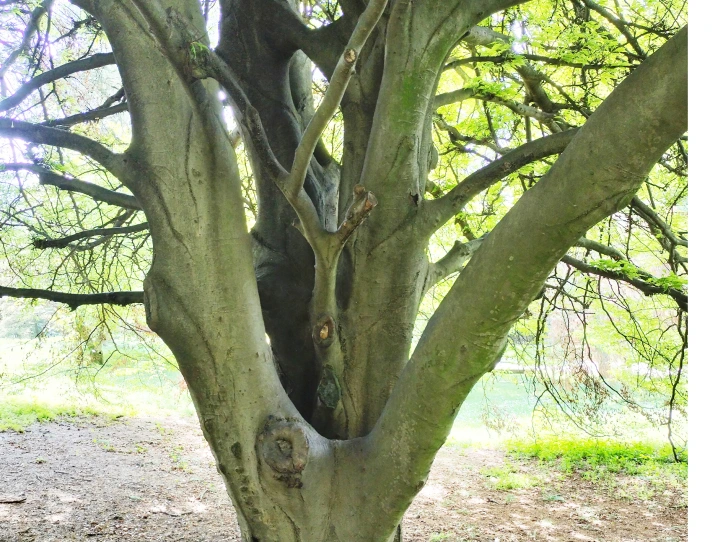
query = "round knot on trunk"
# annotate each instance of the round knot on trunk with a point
(284, 447)
(350, 56)
(324, 330)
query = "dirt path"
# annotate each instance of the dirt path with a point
(142, 480)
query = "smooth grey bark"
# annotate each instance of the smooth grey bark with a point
(278, 89)
(214, 289)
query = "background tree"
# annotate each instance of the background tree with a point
(327, 430)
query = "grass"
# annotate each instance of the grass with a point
(584, 455)
(105, 444)
(470, 532)
(498, 413)
(509, 477)
(631, 470)
(39, 384)
(177, 459)
(18, 415)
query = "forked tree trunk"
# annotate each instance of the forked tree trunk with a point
(336, 446)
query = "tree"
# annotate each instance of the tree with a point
(294, 337)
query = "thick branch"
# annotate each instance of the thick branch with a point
(597, 175)
(444, 208)
(103, 232)
(96, 192)
(74, 300)
(322, 45)
(93, 114)
(43, 135)
(467, 93)
(88, 63)
(452, 262)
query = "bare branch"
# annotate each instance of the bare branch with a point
(480, 35)
(43, 135)
(100, 232)
(508, 56)
(85, 64)
(212, 65)
(466, 93)
(655, 222)
(30, 29)
(617, 23)
(458, 139)
(452, 262)
(93, 114)
(96, 192)
(74, 300)
(589, 244)
(358, 211)
(530, 76)
(337, 86)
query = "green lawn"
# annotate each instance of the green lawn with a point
(39, 384)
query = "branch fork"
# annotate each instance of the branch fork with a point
(196, 61)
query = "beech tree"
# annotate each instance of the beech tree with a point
(295, 336)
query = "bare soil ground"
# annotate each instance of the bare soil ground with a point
(142, 480)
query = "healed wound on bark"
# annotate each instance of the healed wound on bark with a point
(202, 295)
(284, 448)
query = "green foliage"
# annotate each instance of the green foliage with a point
(617, 266)
(670, 281)
(496, 89)
(631, 271)
(198, 50)
(199, 57)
